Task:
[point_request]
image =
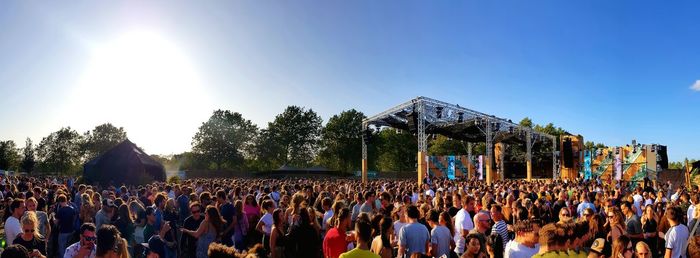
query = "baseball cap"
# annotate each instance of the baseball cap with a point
(598, 245)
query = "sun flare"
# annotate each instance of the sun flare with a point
(144, 82)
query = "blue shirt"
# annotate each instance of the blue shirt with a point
(65, 216)
(582, 206)
(184, 203)
(159, 218)
(414, 237)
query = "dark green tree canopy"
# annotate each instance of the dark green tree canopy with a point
(341, 141)
(60, 151)
(9, 156)
(224, 139)
(291, 139)
(102, 138)
(28, 159)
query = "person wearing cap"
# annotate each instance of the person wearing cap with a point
(597, 248)
(104, 215)
(85, 248)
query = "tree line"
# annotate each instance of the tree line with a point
(296, 137)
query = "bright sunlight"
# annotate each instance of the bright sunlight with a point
(147, 84)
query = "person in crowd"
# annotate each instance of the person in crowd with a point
(43, 218)
(12, 224)
(240, 226)
(356, 204)
(189, 243)
(413, 237)
(632, 224)
(526, 243)
(228, 212)
(264, 226)
(336, 239)
(30, 237)
(642, 250)
(494, 246)
(382, 244)
(65, 216)
(474, 247)
(109, 244)
(104, 215)
(615, 223)
(363, 235)
(303, 237)
(209, 230)
(85, 248)
(87, 209)
(565, 215)
(125, 225)
(441, 241)
(622, 247)
(368, 206)
(677, 235)
(278, 237)
(15, 251)
(463, 224)
(649, 228)
(499, 227)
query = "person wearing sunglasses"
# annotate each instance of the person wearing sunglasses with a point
(189, 243)
(565, 215)
(85, 248)
(30, 237)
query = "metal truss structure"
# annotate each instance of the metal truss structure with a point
(424, 116)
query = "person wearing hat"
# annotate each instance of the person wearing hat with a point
(597, 248)
(104, 215)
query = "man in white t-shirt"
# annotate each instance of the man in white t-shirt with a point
(12, 226)
(526, 241)
(463, 224)
(638, 200)
(677, 235)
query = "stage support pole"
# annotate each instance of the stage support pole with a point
(489, 152)
(364, 156)
(470, 170)
(421, 167)
(528, 146)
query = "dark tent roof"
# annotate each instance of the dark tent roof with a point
(124, 163)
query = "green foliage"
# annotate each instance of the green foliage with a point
(60, 151)
(589, 145)
(292, 139)
(397, 151)
(441, 145)
(527, 122)
(102, 138)
(681, 164)
(28, 159)
(341, 141)
(224, 139)
(9, 155)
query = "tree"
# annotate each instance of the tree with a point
(60, 151)
(224, 139)
(527, 122)
(341, 141)
(442, 145)
(101, 139)
(589, 145)
(9, 156)
(291, 139)
(397, 151)
(28, 161)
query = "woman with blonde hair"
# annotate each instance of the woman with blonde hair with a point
(30, 237)
(87, 209)
(622, 247)
(42, 217)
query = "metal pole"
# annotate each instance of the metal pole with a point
(364, 155)
(489, 151)
(422, 139)
(528, 146)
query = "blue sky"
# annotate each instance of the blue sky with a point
(611, 71)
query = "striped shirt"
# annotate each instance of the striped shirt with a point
(501, 229)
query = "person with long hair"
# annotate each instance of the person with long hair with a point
(30, 236)
(494, 246)
(110, 244)
(240, 226)
(303, 236)
(209, 231)
(336, 240)
(43, 218)
(125, 225)
(87, 209)
(277, 237)
(649, 228)
(474, 248)
(615, 223)
(622, 247)
(381, 244)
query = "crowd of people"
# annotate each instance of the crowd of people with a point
(335, 217)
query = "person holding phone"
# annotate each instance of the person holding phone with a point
(30, 238)
(85, 248)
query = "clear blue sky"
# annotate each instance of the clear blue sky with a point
(611, 71)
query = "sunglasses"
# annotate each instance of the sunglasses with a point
(29, 231)
(566, 215)
(587, 215)
(91, 239)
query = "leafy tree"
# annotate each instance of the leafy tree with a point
(527, 122)
(102, 138)
(589, 145)
(397, 151)
(60, 151)
(442, 145)
(224, 139)
(291, 139)
(341, 141)
(9, 156)
(28, 161)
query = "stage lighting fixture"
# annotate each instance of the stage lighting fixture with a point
(460, 117)
(367, 135)
(438, 111)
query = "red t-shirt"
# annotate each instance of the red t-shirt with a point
(334, 244)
